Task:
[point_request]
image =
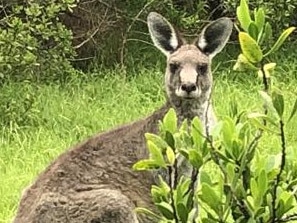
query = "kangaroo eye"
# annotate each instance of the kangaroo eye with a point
(174, 67)
(201, 69)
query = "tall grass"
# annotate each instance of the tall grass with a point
(40, 121)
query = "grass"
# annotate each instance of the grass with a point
(40, 121)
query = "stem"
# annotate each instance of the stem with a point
(194, 176)
(282, 166)
(265, 79)
(124, 43)
(191, 189)
(175, 178)
(173, 182)
(266, 89)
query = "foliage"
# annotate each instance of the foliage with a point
(255, 40)
(279, 13)
(34, 41)
(247, 186)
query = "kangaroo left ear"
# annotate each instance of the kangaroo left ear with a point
(163, 34)
(214, 36)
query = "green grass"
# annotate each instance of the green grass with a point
(60, 116)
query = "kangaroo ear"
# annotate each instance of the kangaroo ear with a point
(162, 33)
(214, 36)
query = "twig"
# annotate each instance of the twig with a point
(266, 89)
(172, 185)
(81, 59)
(87, 40)
(128, 30)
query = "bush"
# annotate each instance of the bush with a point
(33, 41)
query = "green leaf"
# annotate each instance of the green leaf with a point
(251, 220)
(260, 18)
(170, 139)
(254, 189)
(262, 182)
(170, 155)
(166, 210)
(259, 212)
(250, 203)
(250, 48)
(293, 112)
(197, 132)
(256, 115)
(259, 124)
(223, 156)
(184, 152)
(195, 158)
(157, 140)
(156, 154)
(280, 40)
(230, 170)
(209, 220)
(170, 121)
(267, 34)
(209, 196)
(253, 30)
(182, 212)
(205, 178)
(160, 193)
(278, 103)
(243, 64)
(145, 165)
(146, 211)
(228, 132)
(243, 15)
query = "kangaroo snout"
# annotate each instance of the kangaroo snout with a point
(188, 87)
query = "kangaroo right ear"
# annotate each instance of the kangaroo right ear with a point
(163, 34)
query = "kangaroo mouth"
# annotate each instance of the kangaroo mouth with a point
(188, 97)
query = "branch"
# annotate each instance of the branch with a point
(172, 187)
(128, 30)
(87, 40)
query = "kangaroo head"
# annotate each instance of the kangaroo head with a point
(188, 75)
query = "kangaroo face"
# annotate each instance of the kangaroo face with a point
(188, 73)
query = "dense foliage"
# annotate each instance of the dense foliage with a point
(39, 35)
(33, 41)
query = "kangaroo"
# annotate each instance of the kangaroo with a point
(93, 182)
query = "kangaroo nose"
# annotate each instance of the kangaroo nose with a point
(189, 87)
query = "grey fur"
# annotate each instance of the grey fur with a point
(93, 182)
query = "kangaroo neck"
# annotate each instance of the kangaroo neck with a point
(188, 109)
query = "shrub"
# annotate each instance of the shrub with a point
(33, 41)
